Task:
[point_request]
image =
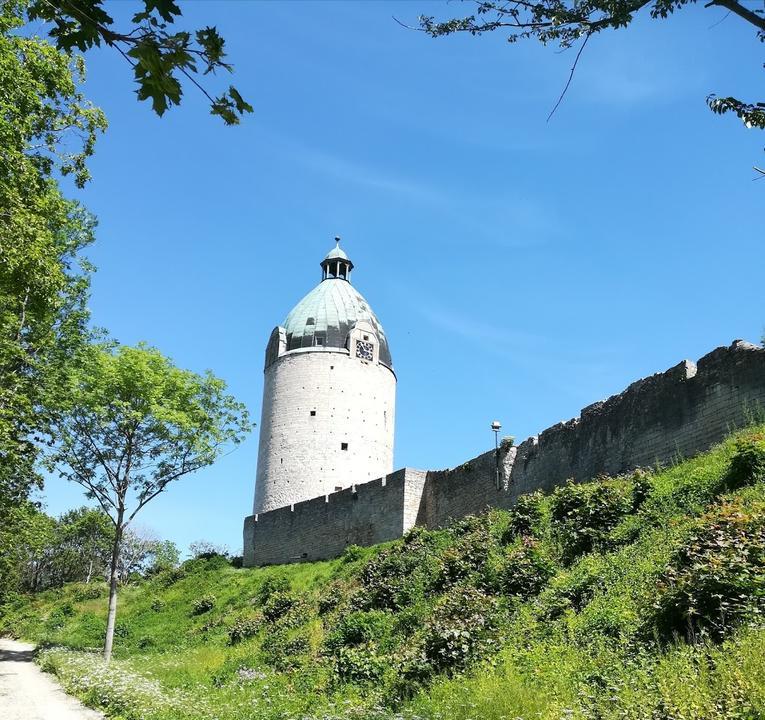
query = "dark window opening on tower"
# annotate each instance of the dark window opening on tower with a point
(319, 341)
(313, 413)
(343, 446)
(366, 337)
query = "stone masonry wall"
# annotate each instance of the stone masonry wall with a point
(674, 414)
(322, 528)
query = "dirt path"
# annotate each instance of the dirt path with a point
(27, 693)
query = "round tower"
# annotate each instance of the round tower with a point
(329, 395)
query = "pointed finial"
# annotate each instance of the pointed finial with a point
(337, 240)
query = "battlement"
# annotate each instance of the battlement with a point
(670, 415)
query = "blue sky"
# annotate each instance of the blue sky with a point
(522, 269)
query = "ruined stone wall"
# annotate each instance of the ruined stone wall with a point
(674, 414)
(670, 415)
(366, 514)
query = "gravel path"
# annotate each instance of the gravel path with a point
(27, 693)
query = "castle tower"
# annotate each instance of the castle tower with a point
(328, 397)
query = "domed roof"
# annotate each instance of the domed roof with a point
(325, 316)
(337, 252)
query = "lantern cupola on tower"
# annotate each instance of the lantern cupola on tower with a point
(336, 265)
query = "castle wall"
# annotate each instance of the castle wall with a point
(674, 414)
(670, 415)
(323, 527)
(315, 400)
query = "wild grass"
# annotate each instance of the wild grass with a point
(633, 597)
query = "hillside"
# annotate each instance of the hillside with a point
(633, 597)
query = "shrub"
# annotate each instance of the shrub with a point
(167, 578)
(358, 664)
(360, 627)
(282, 651)
(747, 466)
(157, 604)
(203, 604)
(270, 586)
(570, 592)
(583, 515)
(460, 629)
(90, 591)
(524, 570)
(242, 629)
(468, 555)
(525, 517)
(352, 553)
(331, 598)
(717, 578)
(278, 605)
(122, 630)
(399, 575)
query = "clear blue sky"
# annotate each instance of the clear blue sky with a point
(521, 269)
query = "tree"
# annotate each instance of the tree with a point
(129, 424)
(46, 128)
(159, 57)
(83, 543)
(567, 22)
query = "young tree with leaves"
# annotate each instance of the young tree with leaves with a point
(130, 423)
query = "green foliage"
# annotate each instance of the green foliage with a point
(279, 605)
(525, 517)
(203, 604)
(583, 515)
(47, 128)
(505, 632)
(159, 56)
(462, 626)
(524, 570)
(242, 629)
(747, 466)
(717, 577)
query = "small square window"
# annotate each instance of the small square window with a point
(313, 413)
(319, 341)
(338, 488)
(343, 446)
(366, 337)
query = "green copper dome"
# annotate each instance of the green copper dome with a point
(325, 316)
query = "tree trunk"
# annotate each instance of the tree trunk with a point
(112, 617)
(90, 572)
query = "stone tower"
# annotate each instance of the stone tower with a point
(328, 397)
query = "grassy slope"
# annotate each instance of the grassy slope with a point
(577, 604)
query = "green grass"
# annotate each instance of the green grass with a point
(633, 597)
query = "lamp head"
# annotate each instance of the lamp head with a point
(496, 425)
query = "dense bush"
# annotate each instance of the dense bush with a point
(270, 586)
(461, 628)
(747, 465)
(359, 627)
(717, 578)
(242, 629)
(284, 651)
(525, 517)
(399, 575)
(279, 605)
(524, 570)
(359, 664)
(203, 604)
(582, 515)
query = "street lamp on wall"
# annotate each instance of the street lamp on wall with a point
(496, 426)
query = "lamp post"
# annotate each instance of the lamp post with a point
(495, 426)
